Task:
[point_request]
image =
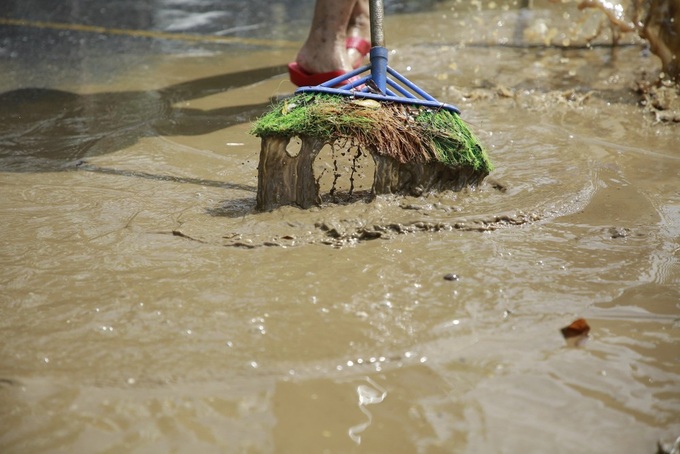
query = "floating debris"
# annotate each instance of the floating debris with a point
(576, 333)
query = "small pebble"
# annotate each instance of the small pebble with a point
(618, 232)
(451, 277)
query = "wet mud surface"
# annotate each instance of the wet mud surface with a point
(287, 179)
(147, 306)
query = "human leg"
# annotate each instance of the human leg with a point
(325, 47)
(358, 32)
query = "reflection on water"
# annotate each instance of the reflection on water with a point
(46, 129)
(370, 394)
(127, 324)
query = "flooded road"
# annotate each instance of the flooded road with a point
(146, 307)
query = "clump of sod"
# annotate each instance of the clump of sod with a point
(404, 132)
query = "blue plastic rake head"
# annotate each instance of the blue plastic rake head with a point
(378, 85)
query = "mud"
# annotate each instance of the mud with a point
(147, 306)
(283, 179)
(287, 179)
(662, 29)
(657, 21)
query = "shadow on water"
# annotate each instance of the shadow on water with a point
(82, 165)
(49, 130)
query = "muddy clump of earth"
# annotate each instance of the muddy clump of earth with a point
(287, 179)
(656, 21)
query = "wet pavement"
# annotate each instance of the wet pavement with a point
(146, 307)
(50, 44)
(38, 32)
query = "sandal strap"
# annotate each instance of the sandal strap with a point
(358, 43)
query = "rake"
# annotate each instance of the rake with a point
(418, 143)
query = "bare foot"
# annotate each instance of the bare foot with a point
(321, 57)
(325, 48)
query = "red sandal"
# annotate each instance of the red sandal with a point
(361, 45)
(303, 78)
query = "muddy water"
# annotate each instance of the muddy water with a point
(147, 308)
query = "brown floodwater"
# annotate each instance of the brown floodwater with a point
(147, 307)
